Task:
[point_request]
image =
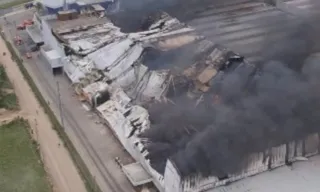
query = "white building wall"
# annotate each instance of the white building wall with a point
(54, 62)
(50, 40)
(172, 179)
(55, 3)
(291, 150)
(37, 21)
(256, 165)
(278, 156)
(312, 144)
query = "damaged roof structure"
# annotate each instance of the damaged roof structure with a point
(127, 71)
(181, 103)
(254, 29)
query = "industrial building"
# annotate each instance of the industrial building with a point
(53, 7)
(127, 78)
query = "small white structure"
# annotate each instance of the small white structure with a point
(35, 34)
(53, 57)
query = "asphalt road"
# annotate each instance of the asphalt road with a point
(5, 11)
(94, 141)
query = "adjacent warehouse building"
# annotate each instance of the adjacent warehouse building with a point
(52, 20)
(53, 7)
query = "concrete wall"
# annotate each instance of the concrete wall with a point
(50, 40)
(54, 62)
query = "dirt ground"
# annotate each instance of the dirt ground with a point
(58, 163)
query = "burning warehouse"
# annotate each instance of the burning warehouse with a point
(193, 113)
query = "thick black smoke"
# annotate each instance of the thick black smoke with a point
(274, 107)
(250, 110)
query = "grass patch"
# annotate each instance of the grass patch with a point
(12, 3)
(20, 167)
(88, 179)
(9, 101)
(4, 80)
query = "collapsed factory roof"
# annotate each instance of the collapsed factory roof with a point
(177, 75)
(132, 60)
(165, 62)
(84, 34)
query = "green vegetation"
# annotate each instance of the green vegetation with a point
(4, 80)
(8, 100)
(20, 167)
(12, 3)
(88, 179)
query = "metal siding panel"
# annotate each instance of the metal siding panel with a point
(299, 148)
(278, 156)
(312, 144)
(172, 180)
(256, 164)
(291, 151)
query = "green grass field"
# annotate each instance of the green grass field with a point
(9, 101)
(20, 167)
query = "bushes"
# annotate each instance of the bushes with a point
(4, 80)
(8, 101)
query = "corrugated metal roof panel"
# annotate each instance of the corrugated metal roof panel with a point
(125, 62)
(245, 27)
(155, 86)
(73, 72)
(110, 54)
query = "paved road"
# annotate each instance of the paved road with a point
(11, 9)
(5, 11)
(95, 143)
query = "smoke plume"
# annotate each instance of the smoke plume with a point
(249, 111)
(275, 107)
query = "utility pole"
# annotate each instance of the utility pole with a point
(65, 5)
(95, 184)
(60, 105)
